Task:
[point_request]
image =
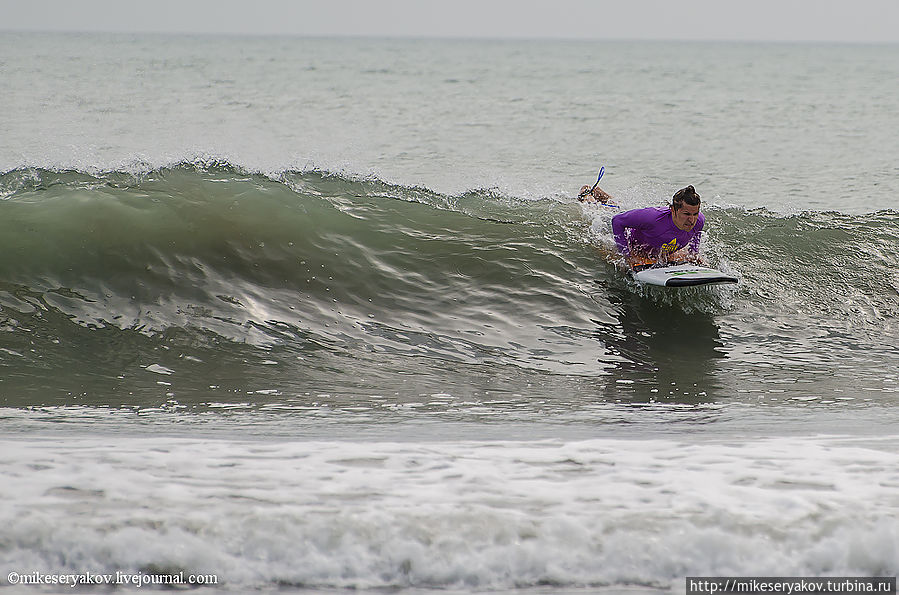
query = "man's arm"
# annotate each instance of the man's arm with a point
(690, 252)
(685, 254)
(693, 246)
(634, 219)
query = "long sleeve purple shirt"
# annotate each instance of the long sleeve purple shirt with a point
(652, 231)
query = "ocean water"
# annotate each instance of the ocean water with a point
(322, 315)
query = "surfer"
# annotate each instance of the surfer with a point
(661, 234)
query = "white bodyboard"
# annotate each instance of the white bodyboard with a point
(682, 275)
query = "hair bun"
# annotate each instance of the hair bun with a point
(688, 195)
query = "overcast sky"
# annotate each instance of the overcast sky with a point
(763, 20)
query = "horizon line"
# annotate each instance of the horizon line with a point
(443, 37)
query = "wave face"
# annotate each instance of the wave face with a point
(114, 282)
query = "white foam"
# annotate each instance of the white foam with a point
(495, 515)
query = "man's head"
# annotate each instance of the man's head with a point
(685, 208)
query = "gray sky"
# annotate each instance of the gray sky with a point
(763, 20)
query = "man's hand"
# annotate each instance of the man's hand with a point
(639, 261)
(685, 256)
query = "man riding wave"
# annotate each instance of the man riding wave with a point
(661, 234)
(653, 235)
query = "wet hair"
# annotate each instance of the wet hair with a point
(685, 195)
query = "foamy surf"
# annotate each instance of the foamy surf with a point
(458, 515)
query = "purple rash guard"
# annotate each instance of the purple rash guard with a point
(653, 231)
